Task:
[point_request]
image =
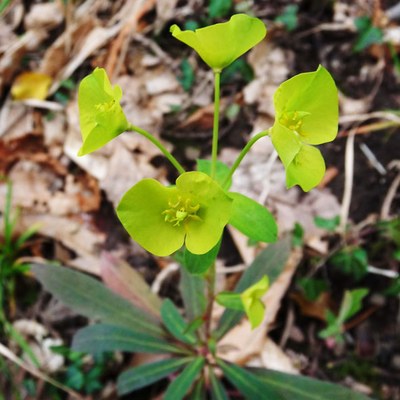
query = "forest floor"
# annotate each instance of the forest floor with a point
(347, 230)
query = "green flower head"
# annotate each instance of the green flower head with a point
(101, 117)
(161, 219)
(220, 44)
(306, 108)
(251, 300)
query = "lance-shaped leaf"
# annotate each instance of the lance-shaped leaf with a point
(104, 337)
(192, 288)
(144, 375)
(295, 387)
(175, 324)
(220, 44)
(306, 108)
(181, 385)
(91, 298)
(161, 219)
(101, 117)
(252, 219)
(247, 383)
(124, 280)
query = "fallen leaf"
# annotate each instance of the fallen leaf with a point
(31, 85)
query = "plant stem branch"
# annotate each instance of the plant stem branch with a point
(158, 144)
(214, 151)
(244, 151)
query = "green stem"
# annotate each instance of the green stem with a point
(214, 151)
(158, 144)
(244, 151)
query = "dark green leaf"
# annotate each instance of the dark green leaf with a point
(248, 384)
(270, 262)
(217, 389)
(91, 298)
(219, 8)
(192, 289)
(102, 337)
(368, 34)
(144, 375)
(329, 224)
(298, 233)
(295, 387)
(252, 219)
(199, 391)
(181, 385)
(313, 288)
(187, 75)
(175, 324)
(198, 264)
(351, 260)
(393, 289)
(221, 172)
(289, 17)
(239, 69)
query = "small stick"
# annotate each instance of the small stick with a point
(348, 181)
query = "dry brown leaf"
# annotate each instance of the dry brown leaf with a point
(12, 57)
(75, 234)
(315, 309)
(44, 16)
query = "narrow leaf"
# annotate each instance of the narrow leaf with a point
(91, 298)
(128, 283)
(295, 387)
(198, 264)
(181, 385)
(175, 324)
(247, 383)
(102, 337)
(144, 375)
(199, 391)
(252, 219)
(193, 292)
(217, 389)
(270, 262)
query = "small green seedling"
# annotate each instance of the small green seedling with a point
(188, 219)
(351, 305)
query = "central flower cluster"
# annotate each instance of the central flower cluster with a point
(180, 211)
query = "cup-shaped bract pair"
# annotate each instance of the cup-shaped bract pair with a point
(101, 117)
(161, 219)
(306, 108)
(252, 301)
(221, 44)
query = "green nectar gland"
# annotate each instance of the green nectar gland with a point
(181, 210)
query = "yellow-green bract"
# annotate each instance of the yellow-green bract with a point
(161, 219)
(251, 299)
(220, 44)
(306, 109)
(101, 117)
